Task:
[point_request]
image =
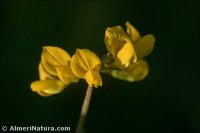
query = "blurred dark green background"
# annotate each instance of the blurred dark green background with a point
(167, 101)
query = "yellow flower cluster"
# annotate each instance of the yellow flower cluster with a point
(57, 70)
(124, 61)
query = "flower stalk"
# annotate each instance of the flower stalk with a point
(84, 110)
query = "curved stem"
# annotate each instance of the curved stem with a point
(84, 110)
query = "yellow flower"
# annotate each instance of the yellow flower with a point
(126, 48)
(125, 53)
(86, 65)
(54, 71)
(120, 47)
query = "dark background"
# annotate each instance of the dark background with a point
(167, 101)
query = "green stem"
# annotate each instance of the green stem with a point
(84, 110)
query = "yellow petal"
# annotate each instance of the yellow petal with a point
(54, 90)
(50, 86)
(135, 72)
(53, 56)
(115, 38)
(65, 74)
(83, 61)
(78, 69)
(50, 69)
(93, 78)
(89, 58)
(97, 79)
(126, 53)
(97, 68)
(144, 46)
(43, 74)
(89, 78)
(133, 33)
(41, 93)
